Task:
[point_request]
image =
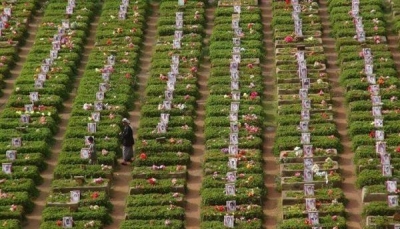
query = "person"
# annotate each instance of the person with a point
(92, 151)
(127, 142)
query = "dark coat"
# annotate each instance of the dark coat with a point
(127, 136)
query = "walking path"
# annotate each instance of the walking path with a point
(193, 204)
(353, 195)
(271, 167)
(122, 174)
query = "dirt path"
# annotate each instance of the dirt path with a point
(35, 217)
(393, 44)
(193, 204)
(353, 195)
(271, 167)
(122, 174)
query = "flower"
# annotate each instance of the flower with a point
(152, 181)
(94, 207)
(298, 174)
(253, 95)
(220, 208)
(288, 39)
(98, 180)
(13, 208)
(95, 195)
(176, 195)
(143, 156)
(315, 168)
(174, 181)
(167, 222)
(104, 152)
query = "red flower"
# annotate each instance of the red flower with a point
(152, 181)
(143, 156)
(372, 134)
(109, 42)
(398, 149)
(220, 208)
(59, 223)
(334, 217)
(95, 195)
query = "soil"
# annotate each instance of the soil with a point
(192, 210)
(353, 195)
(122, 175)
(271, 167)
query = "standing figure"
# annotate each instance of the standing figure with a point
(127, 142)
(92, 151)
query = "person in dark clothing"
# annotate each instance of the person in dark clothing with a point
(127, 142)
(92, 151)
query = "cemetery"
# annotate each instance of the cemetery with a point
(247, 114)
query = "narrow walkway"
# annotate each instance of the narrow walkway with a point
(193, 204)
(122, 174)
(393, 42)
(34, 218)
(353, 195)
(271, 167)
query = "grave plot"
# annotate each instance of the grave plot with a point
(14, 24)
(166, 131)
(370, 78)
(30, 118)
(233, 186)
(307, 142)
(81, 185)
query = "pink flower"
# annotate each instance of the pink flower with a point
(298, 174)
(253, 95)
(176, 194)
(288, 39)
(13, 208)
